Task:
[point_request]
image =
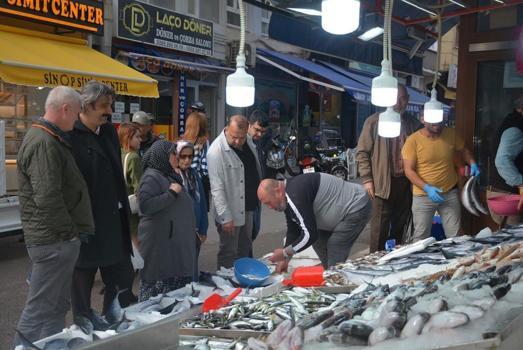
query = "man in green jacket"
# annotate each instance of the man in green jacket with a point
(380, 167)
(55, 212)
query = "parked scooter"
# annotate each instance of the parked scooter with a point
(329, 160)
(280, 158)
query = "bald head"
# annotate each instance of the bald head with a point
(238, 120)
(62, 107)
(272, 194)
(236, 131)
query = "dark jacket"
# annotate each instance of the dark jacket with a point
(167, 229)
(54, 200)
(373, 153)
(98, 158)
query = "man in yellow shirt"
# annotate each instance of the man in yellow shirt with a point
(428, 158)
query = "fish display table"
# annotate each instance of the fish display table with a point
(463, 293)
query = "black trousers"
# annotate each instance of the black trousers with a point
(116, 277)
(392, 217)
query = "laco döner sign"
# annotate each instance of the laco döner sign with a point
(84, 15)
(160, 27)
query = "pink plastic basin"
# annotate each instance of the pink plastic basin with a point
(505, 205)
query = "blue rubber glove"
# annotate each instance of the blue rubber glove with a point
(474, 169)
(433, 193)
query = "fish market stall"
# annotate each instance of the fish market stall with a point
(460, 293)
(464, 292)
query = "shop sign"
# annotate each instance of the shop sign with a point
(134, 107)
(83, 15)
(119, 107)
(116, 118)
(77, 81)
(182, 103)
(157, 26)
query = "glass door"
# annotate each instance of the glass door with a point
(498, 85)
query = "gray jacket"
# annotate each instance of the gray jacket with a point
(227, 180)
(167, 229)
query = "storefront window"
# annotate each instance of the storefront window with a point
(498, 86)
(19, 107)
(210, 10)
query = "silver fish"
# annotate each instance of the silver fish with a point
(415, 324)
(445, 319)
(393, 319)
(472, 311)
(437, 305)
(466, 197)
(484, 303)
(381, 334)
(475, 197)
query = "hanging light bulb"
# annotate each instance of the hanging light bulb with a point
(433, 110)
(389, 123)
(340, 16)
(384, 92)
(239, 89)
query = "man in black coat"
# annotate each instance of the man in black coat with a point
(97, 153)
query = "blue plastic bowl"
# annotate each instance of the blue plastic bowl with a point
(251, 272)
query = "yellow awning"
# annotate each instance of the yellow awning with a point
(40, 59)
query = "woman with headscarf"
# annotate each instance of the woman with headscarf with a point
(167, 224)
(192, 184)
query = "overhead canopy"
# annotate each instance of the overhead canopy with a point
(39, 59)
(341, 82)
(415, 97)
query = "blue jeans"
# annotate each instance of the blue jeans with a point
(423, 210)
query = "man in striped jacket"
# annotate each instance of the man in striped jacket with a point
(321, 210)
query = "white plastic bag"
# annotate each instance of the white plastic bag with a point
(136, 259)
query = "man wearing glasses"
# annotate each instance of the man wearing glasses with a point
(381, 169)
(96, 150)
(428, 158)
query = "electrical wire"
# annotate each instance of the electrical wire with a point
(389, 25)
(242, 28)
(385, 30)
(438, 53)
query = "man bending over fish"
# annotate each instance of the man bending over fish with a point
(321, 210)
(428, 159)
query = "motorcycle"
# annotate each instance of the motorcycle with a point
(329, 160)
(280, 158)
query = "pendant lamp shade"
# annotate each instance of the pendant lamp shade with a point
(239, 90)
(340, 16)
(389, 123)
(433, 110)
(384, 91)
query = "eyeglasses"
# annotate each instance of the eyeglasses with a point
(186, 156)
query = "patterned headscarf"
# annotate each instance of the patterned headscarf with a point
(189, 181)
(157, 157)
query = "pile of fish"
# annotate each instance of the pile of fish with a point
(379, 313)
(205, 343)
(263, 314)
(117, 320)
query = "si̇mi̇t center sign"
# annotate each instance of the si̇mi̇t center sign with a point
(157, 26)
